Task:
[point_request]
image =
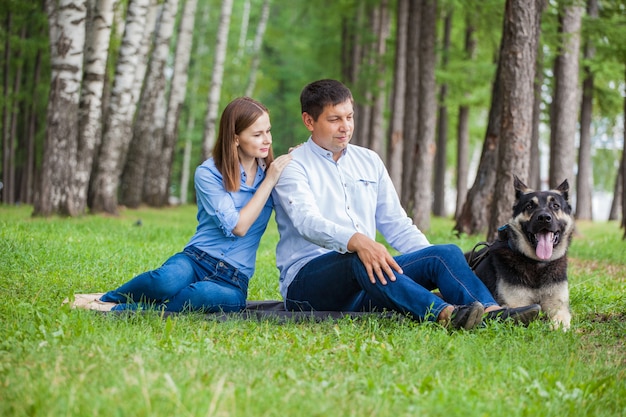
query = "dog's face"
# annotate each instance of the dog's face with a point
(542, 222)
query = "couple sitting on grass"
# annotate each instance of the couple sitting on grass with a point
(330, 199)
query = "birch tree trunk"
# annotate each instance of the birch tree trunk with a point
(517, 62)
(565, 101)
(256, 49)
(145, 147)
(99, 23)
(216, 79)
(243, 33)
(395, 145)
(156, 192)
(425, 149)
(118, 125)
(67, 40)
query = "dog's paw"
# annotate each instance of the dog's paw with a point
(561, 320)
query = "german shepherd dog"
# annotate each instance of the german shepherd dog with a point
(527, 264)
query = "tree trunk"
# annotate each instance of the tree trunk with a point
(565, 100)
(67, 39)
(256, 49)
(412, 104)
(377, 120)
(624, 165)
(584, 178)
(118, 124)
(618, 190)
(243, 33)
(151, 101)
(7, 140)
(217, 76)
(99, 23)
(395, 144)
(534, 170)
(161, 173)
(474, 217)
(29, 170)
(147, 143)
(425, 149)
(441, 157)
(462, 154)
(15, 111)
(517, 62)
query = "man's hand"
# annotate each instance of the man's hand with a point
(375, 257)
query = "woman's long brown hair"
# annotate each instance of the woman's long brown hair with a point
(238, 115)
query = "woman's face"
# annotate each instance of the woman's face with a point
(255, 141)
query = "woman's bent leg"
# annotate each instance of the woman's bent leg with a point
(157, 285)
(211, 296)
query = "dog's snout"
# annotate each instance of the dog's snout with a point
(544, 217)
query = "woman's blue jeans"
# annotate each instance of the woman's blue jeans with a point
(189, 280)
(340, 282)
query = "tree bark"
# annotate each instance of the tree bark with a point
(534, 170)
(565, 100)
(584, 177)
(412, 105)
(618, 189)
(425, 146)
(67, 39)
(122, 105)
(161, 172)
(474, 216)
(8, 149)
(623, 163)
(462, 153)
(519, 52)
(217, 76)
(395, 144)
(147, 143)
(377, 119)
(99, 23)
(29, 171)
(441, 157)
(256, 48)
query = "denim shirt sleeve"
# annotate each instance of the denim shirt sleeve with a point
(215, 200)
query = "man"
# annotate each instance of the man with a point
(330, 201)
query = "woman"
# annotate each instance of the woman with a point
(233, 191)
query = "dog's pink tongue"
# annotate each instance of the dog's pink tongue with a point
(544, 245)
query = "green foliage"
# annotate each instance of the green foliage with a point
(59, 361)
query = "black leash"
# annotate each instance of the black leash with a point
(475, 258)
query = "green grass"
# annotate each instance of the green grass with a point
(55, 361)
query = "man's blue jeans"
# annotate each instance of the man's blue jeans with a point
(340, 282)
(189, 280)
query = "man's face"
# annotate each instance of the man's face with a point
(333, 128)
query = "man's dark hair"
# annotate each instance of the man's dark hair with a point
(319, 94)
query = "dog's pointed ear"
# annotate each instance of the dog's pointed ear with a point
(520, 187)
(564, 190)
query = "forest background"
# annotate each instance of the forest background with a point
(111, 103)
